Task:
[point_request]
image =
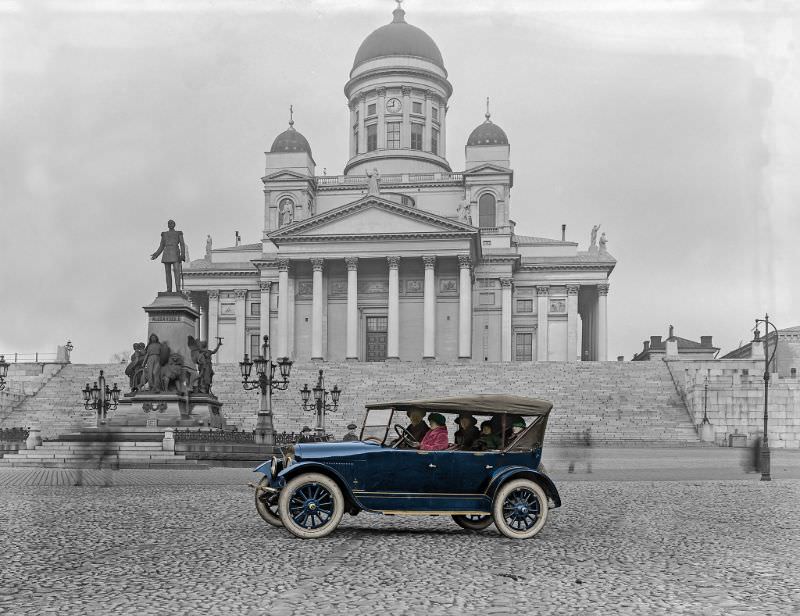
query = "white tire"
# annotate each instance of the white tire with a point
(267, 503)
(520, 508)
(311, 506)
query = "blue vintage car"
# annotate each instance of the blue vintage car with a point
(496, 478)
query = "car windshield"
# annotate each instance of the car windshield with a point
(376, 423)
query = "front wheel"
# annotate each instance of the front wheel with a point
(267, 503)
(473, 521)
(520, 509)
(311, 506)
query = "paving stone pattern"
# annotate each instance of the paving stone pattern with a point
(695, 548)
(620, 401)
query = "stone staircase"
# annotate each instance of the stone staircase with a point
(23, 382)
(622, 402)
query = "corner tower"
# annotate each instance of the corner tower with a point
(398, 93)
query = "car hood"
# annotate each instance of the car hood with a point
(320, 451)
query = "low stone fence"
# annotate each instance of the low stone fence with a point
(228, 436)
(12, 440)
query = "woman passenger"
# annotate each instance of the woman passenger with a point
(467, 434)
(436, 437)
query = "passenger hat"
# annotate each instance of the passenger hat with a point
(487, 423)
(518, 423)
(416, 408)
(468, 416)
(438, 418)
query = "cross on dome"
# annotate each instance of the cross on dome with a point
(291, 116)
(487, 115)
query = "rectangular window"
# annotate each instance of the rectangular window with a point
(524, 350)
(435, 140)
(255, 345)
(255, 309)
(416, 107)
(371, 109)
(393, 135)
(435, 113)
(416, 136)
(524, 305)
(372, 137)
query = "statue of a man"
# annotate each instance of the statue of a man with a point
(603, 242)
(135, 369)
(208, 247)
(173, 253)
(373, 179)
(286, 212)
(593, 240)
(202, 356)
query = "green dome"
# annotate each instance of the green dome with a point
(398, 39)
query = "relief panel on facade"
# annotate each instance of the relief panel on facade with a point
(413, 286)
(373, 286)
(448, 285)
(305, 287)
(558, 305)
(338, 287)
(227, 309)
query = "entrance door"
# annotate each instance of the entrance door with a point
(377, 336)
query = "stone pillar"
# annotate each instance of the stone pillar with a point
(393, 342)
(505, 320)
(405, 129)
(542, 308)
(381, 108)
(316, 309)
(238, 347)
(213, 320)
(362, 126)
(602, 322)
(263, 320)
(465, 307)
(426, 131)
(443, 129)
(282, 348)
(352, 127)
(352, 308)
(429, 309)
(572, 322)
(202, 324)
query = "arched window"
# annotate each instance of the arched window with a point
(487, 211)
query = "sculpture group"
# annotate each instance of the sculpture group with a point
(155, 368)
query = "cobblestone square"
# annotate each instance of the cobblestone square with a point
(715, 547)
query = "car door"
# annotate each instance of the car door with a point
(468, 472)
(397, 479)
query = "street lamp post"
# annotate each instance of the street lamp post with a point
(320, 403)
(3, 372)
(765, 453)
(100, 398)
(266, 382)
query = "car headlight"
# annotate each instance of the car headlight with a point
(288, 455)
(273, 468)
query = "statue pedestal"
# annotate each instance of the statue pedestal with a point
(167, 409)
(173, 319)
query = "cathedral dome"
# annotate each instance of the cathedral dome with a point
(398, 39)
(487, 133)
(290, 140)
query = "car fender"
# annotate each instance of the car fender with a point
(264, 467)
(506, 473)
(297, 468)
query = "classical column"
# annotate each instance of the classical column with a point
(393, 335)
(238, 347)
(542, 308)
(352, 308)
(426, 131)
(429, 309)
(201, 324)
(263, 320)
(213, 320)
(381, 107)
(465, 307)
(602, 323)
(316, 308)
(405, 129)
(283, 308)
(362, 126)
(505, 319)
(443, 129)
(353, 126)
(572, 322)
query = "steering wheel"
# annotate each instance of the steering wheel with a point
(404, 437)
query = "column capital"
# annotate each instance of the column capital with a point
(317, 263)
(572, 289)
(213, 294)
(406, 90)
(265, 285)
(543, 290)
(352, 263)
(240, 293)
(394, 262)
(353, 104)
(464, 261)
(429, 94)
(429, 261)
(602, 289)
(362, 96)
(283, 265)
(381, 91)
(506, 282)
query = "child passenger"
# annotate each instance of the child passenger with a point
(488, 440)
(436, 438)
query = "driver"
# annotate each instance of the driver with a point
(418, 428)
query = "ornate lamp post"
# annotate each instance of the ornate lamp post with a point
(765, 455)
(266, 382)
(3, 372)
(100, 398)
(320, 404)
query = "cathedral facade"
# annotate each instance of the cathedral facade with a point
(400, 257)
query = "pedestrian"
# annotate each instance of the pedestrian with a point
(351, 435)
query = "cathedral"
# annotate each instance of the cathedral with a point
(400, 258)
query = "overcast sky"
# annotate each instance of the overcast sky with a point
(675, 125)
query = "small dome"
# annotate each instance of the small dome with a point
(398, 39)
(487, 133)
(290, 140)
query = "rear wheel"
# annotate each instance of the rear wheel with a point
(473, 521)
(520, 509)
(311, 506)
(267, 503)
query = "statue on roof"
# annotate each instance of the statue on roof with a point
(208, 247)
(373, 180)
(593, 239)
(603, 242)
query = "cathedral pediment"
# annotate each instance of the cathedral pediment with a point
(488, 168)
(372, 217)
(284, 175)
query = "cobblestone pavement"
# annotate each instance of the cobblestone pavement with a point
(615, 547)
